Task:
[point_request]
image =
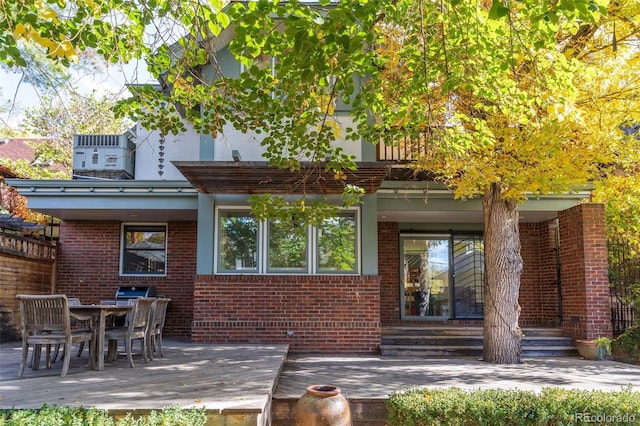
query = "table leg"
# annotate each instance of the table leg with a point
(100, 341)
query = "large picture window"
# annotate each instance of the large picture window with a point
(337, 244)
(238, 242)
(287, 247)
(280, 247)
(144, 250)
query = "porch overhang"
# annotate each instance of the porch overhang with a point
(121, 200)
(257, 177)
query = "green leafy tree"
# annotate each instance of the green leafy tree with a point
(484, 97)
(611, 107)
(57, 122)
(497, 92)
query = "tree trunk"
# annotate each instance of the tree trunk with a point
(503, 267)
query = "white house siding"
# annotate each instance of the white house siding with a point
(181, 147)
(248, 144)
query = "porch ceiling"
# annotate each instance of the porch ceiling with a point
(257, 177)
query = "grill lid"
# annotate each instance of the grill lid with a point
(131, 292)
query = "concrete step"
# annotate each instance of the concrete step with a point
(414, 340)
(453, 351)
(448, 341)
(463, 331)
(432, 331)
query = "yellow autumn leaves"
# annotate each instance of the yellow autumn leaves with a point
(57, 46)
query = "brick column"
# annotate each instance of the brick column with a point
(389, 272)
(584, 272)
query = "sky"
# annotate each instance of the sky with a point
(113, 81)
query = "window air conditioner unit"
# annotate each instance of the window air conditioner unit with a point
(104, 156)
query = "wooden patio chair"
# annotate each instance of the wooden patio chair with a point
(77, 323)
(156, 326)
(136, 329)
(46, 320)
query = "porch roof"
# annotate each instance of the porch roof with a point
(402, 201)
(257, 177)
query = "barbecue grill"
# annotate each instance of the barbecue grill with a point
(125, 294)
(133, 292)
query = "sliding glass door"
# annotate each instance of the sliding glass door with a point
(442, 276)
(426, 276)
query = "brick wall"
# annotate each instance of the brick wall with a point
(88, 267)
(323, 313)
(538, 284)
(584, 272)
(389, 271)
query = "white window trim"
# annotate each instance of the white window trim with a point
(123, 225)
(312, 251)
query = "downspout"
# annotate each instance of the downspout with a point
(558, 270)
(54, 267)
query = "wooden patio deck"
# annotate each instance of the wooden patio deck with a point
(234, 383)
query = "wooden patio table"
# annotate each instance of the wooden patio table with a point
(100, 313)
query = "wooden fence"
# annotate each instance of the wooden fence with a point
(26, 266)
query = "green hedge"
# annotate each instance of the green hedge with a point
(552, 406)
(79, 416)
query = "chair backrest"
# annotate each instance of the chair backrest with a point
(159, 313)
(44, 314)
(141, 313)
(74, 301)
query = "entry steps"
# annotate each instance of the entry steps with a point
(451, 341)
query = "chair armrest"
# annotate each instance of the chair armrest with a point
(80, 317)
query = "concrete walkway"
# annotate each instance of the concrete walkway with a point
(377, 377)
(248, 381)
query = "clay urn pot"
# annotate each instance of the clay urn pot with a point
(323, 405)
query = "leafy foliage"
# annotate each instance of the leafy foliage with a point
(71, 416)
(502, 99)
(57, 122)
(484, 96)
(514, 407)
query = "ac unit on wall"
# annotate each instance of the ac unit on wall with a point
(104, 156)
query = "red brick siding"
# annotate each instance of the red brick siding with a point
(538, 290)
(389, 271)
(538, 283)
(585, 282)
(88, 267)
(326, 313)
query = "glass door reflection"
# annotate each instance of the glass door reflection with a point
(426, 276)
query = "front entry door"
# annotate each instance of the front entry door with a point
(426, 276)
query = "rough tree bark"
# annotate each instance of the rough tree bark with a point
(503, 268)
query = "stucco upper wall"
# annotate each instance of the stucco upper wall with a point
(151, 149)
(248, 144)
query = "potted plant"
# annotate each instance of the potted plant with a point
(626, 347)
(595, 349)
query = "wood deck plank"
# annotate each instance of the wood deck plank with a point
(221, 378)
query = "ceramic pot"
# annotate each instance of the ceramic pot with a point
(589, 350)
(323, 405)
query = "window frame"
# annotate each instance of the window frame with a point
(282, 271)
(218, 252)
(357, 260)
(263, 249)
(123, 249)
